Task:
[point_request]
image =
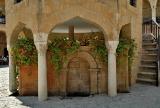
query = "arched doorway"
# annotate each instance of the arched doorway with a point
(78, 77)
(81, 70)
(20, 32)
(124, 68)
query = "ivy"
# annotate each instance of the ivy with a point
(24, 51)
(123, 45)
(99, 49)
(59, 49)
(131, 51)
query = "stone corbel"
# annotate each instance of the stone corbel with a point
(112, 46)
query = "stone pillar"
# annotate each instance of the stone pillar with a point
(12, 72)
(40, 41)
(154, 13)
(153, 4)
(112, 77)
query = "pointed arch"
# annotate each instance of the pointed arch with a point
(89, 16)
(17, 30)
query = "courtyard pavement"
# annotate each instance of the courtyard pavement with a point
(140, 96)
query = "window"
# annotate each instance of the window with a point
(17, 1)
(133, 2)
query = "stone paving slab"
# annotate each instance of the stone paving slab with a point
(141, 96)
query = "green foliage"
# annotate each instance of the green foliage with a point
(24, 51)
(99, 49)
(123, 45)
(131, 51)
(60, 48)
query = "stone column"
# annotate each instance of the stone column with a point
(40, 41)
(112, 77)
(154, 13)
(153, 4)
(12, 72)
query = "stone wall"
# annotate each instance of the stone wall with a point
(41, 17)
(58, 83)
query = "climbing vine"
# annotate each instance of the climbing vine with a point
(99, 49)
(60, 48)
(24, 51)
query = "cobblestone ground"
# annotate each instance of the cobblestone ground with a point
(140, 97)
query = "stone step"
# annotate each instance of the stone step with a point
(147, 75)
(146, 81)
(148, 41)
(149, 56)
(151, 49)
(149, 66)
(148, 38)
(149, 44)
(149, 62)
(145, 69)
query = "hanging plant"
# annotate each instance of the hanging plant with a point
(24, 51)
(60, 48)
(99, 49)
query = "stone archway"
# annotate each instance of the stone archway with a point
(124, 75)
(20, 30)
(92, 17)
(107, 25)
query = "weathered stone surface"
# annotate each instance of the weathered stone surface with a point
(109, 16)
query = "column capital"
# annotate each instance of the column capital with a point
(40, 41)
(153, 3)
(112, 46)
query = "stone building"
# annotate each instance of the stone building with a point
(41, 19)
